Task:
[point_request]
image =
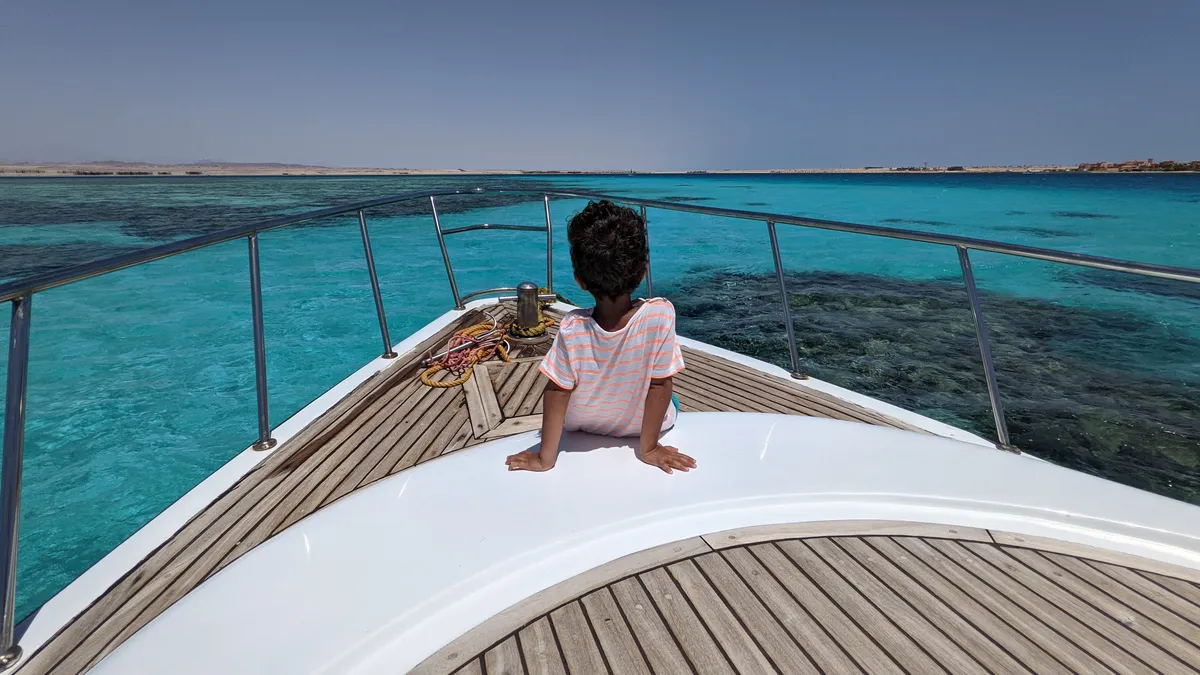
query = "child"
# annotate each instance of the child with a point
(610, 367)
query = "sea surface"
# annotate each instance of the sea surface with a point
(142, 381)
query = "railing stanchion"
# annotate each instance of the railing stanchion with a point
(10, 491)
(437, 225)
(549, 247)
(649, 277)
(985, 350)
(265, 441)
(383, 329)
(797, 372)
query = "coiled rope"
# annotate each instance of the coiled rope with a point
(476, 344)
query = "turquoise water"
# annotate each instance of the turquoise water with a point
(142, 381)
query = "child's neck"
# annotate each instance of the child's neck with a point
(613, 313)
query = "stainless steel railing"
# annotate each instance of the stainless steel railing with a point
(20, 295)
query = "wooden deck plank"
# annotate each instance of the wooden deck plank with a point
(945, 618)
(580, 652)
(896, 608)
(702, 388)
(1098, 554)
(749, 379)
(804, 630)
(542, 656)
(514, 403)
(504, 659)
(1177, 624)
(398, 444)
(1041, 629)
(658, 645)
(889, 602)
(621, 649)
(325, 482)
(322, 478)
(475, 667)
(756, 619)
(825, 404)
(898, 643)
(698, 399)
(1012, 641)
(1150, 590)
(840, 528)
(742, 650)
(458, 440)
(1184, 589)
(1171, 645)
(487, 395)
(713, 382)
(1115, 630)
(439, 434)
(479, 418)
(1063, 622)
(690, 632)
(515, 425)
(373, 449)
(507, 396)
(823, 607)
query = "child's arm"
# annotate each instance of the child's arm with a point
(554, 413)
(652, 452)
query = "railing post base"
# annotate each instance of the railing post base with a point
(390, 354)
(9, 658)
(798, 375)
(1009, 448)
(264, 445)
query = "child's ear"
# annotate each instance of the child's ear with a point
(580, 282)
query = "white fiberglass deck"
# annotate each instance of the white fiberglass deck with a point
(380, 422)
(382, 580)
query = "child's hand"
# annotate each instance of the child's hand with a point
(668, 458)
(526, 460)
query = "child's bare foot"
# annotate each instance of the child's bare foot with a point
(668, 458)
(526, 460)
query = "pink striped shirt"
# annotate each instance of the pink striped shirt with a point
(610, 373)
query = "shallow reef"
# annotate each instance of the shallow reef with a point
(1110, 393)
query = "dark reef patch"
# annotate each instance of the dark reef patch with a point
(916, 221)
(1118, 281)
(1017, 213)
(154, 216)
(1082, 215)
(686, 199)
(758, 204)
(1044, 232)
(21, 261)
(1073, 388)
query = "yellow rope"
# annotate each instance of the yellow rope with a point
(479, 356)
(483, 352)
(475, 355)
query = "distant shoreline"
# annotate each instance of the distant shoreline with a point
(147, 170)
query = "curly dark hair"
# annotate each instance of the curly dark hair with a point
(609, 248)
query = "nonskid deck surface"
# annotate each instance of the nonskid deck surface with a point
(388, 424)
(849, 597)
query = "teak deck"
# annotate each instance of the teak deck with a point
(392, 422)
(876, 598)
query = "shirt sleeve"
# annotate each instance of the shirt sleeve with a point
(557, 363)
(667, 359)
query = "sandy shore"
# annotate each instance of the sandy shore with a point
(57, 170)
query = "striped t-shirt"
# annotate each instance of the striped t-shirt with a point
(610, 373)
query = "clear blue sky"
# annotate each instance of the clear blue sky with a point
(601, 85)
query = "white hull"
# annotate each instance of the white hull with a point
(381, 580)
